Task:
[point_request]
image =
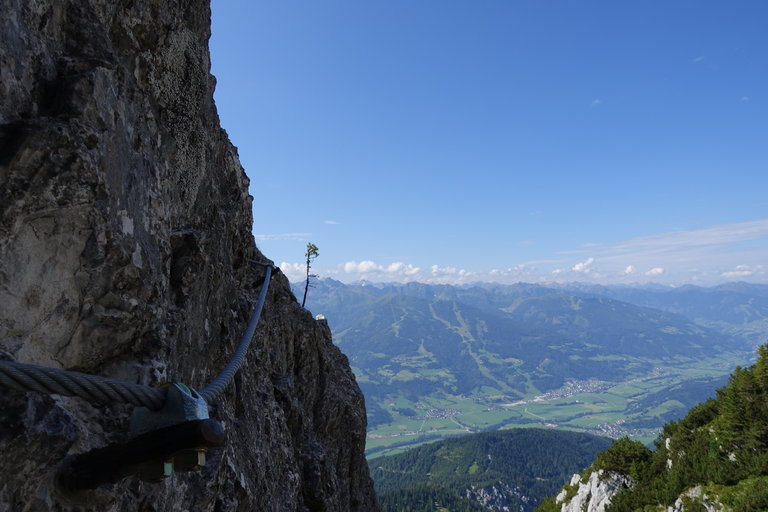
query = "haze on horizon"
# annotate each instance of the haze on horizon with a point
(457, 142)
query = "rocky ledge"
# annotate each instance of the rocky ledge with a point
(593, 494)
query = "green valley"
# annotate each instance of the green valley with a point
(437, 361)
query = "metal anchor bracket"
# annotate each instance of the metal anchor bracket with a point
(142, 455)
(175, 438)
(181, 404)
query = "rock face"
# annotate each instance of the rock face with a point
(500, 497)
(594, 494)
(695, 497)
(125, 235)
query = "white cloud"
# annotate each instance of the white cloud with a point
(698, 59)
(744, 271)
(579, 272)
(283, 236)
(362, 267)
(518, 271)
(438, 271)
(583, 266)
(331, 222)
(734, 274)
(293, 271)
(452, 275)
(368, 267)
(596, 102)
(443, 271)
(404, 272)
(706, 255)
(745, 98)
(411, 270)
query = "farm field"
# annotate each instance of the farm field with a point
(636, 407)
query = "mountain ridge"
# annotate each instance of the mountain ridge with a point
(495, 355)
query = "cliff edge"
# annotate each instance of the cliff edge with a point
(125, 240)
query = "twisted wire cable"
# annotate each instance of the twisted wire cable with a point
(100, 390)
(96, 389)
(216, 387)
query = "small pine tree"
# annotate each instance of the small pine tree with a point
(623, 456)
(311, 254)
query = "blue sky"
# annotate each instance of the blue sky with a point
(502, 140)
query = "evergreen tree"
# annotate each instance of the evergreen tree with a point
(311, 254)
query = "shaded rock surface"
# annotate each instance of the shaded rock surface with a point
(125, 235)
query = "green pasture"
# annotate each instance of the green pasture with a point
(488, 408)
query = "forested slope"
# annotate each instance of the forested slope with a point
(487, 471)
(717, 455)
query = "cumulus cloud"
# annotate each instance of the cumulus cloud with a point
(706, 255)
(443, 271)
(583, 267)
(450, 275)
(404, 272)
(368, 267)
(408, 270)
(579, 272)
(283, 236)
(293, 271)
(518, 271)
(741, 271)
(362, 267)
(713, 250)
(331, 222)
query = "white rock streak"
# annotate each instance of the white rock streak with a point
(595, 494)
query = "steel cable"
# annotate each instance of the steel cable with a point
(216, 387)
(52, 381)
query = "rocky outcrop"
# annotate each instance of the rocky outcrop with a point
(596, 492)
(500, 497)
(592, 495)
(696, 499)
(125, 240)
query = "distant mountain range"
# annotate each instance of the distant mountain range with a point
(735, 308)
(483, 356)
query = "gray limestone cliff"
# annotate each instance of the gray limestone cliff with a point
(125, 235)
(595, 492)
(592, 494)
(499, 497)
